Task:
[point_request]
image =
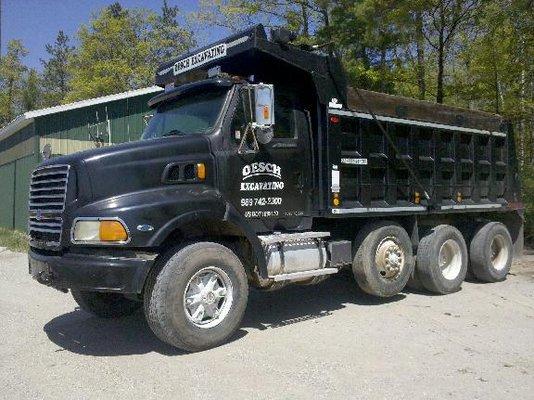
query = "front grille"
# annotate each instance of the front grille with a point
(48, 192)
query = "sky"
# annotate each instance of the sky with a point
(37, 22)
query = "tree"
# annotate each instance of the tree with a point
(56, 76)
(304, 17)
(442, 19)
(31, 91)
(168, 38)
(111, 56)
(11, 72)
(120, 49)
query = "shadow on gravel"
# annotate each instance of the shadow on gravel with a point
(81, 333)
(296, 303)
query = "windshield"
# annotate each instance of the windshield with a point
(194, 114)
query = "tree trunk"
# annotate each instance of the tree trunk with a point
(420, 43)
(382, 69)
(441, 69)
(305, 21)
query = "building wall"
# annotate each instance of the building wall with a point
(14, 182)
(67, 132)
(71, 131)
(17, 159)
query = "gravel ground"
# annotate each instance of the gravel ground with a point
(326, 341)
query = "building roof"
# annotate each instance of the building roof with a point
(25, 119)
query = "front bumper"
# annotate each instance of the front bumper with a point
(90, 272)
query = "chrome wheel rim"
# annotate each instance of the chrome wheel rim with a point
(499, 252)
(208, 297)
(450, 259)
(389, 258)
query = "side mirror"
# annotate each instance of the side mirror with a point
(264, 104)
(258, 104)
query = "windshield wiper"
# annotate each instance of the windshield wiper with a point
(174, 132)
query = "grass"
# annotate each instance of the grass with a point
(13, 240)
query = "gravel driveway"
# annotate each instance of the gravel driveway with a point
(326, 341)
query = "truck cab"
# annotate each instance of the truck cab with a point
(258, 168)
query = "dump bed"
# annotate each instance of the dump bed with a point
(395, 154)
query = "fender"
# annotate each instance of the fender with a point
(230, 215)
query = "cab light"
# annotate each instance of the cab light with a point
(201, 171)
(99, 231)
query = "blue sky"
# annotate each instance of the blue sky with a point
(37, 22)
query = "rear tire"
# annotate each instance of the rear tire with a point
(442, 259)
(491, 252)
(384, 259)
(196, 300)
(105, 305)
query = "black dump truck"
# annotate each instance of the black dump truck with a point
(259, 168)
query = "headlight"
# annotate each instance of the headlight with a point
(99, 231)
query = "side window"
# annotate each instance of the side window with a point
(283, 117)
(288, 116)
(239, 120)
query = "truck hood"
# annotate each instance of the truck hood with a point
(129, 167)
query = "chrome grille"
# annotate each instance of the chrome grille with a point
(48, 192)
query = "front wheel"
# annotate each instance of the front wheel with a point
(198, 298)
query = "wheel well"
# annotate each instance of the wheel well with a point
(213, 230)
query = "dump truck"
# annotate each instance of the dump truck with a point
(262, 167)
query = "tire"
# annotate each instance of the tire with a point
(441, 264)
(193, 324)
(491, 252)
(375, 245)
(105, 305)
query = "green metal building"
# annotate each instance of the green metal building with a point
(61, 130)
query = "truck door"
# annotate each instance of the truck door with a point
(271, 187)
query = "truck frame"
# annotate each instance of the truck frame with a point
(261, 167)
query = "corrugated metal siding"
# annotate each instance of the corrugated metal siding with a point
(23, 170)
(7, 195)
(14, 183)
(19, 145)
(69, 131)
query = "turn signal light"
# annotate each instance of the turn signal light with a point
(95, 231)
(335, 200)
(266, 112)
(201, 171)
(112, 231)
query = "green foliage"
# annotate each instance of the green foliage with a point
(31, 91)
(11, 78)
(120, 49)
(56, 77)
(528, 199)
(13, 240)
(112, 56)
